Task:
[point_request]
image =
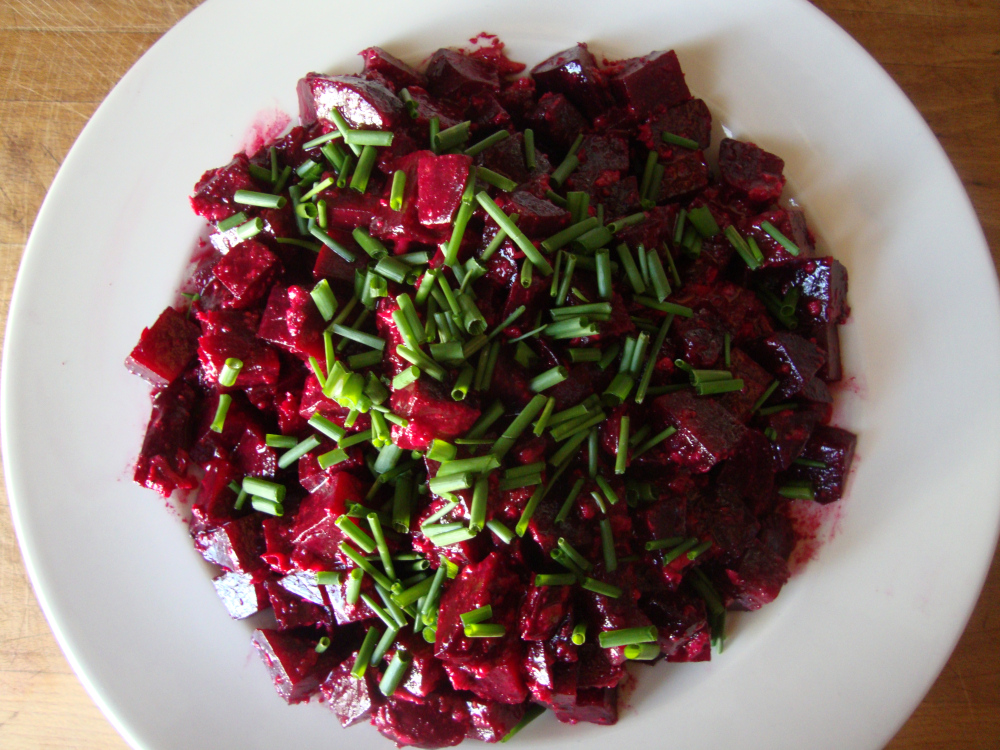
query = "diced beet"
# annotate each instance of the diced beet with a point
(433, 407)
(343, 610)
(757, 579)
(702, 338)
(347, 696)
(302, 583)
(314, 528)
(437, 721)
(247, 271)
(451, 74)
(743, 314)
(498, 678)
(429, 107)
(683, 172)
(538, 217)
(314, 401)
(556, 122)
(507, 158)
(291, 611)
(666, 517)
(775, 254)
(622, 197)
(391, 67)
(751, 170)
(793, 360)
(593, 705)
(827, 337)
(365, 105)
(792, 430)
(440, 180)
(292, 321)
(691, 120)
(749, 474)
(679, 619)
(347, 209)
(235, 546)
(609, 613)
(165, 349)
(214, 193)
(724, 520)
(213, 505)
(833, 447)
(706, 433)
(756, 380)
(644, 83)
(426, 673)
(552, 682)
(242, 322)
(492, 721)
(543, 608)
(486, 113)
(163, 461)
(778, 534)
(822, 283)
(279, 549)
(261, 365)
(574, 73)
(603, 161)
(295, 667)
(240, 594)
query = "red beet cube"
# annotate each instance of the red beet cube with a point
(366, 105)
(551, 681)
(429, 404)
(702, 339)
(507, 158)
(441, 181)
(683, 172)
(749, 474)
(574, 73)
(390, 67)
(315, 530)
(543, 609)
(757, 579)
(538, 217)
(292, 321)
(165, 349)
(833, 447)
(261, 365)
(452, 74)
(691, 120)
(593, 705)
(163, 461)
(247, 271)
(347, 696)
(295, 667)
(291, 611)
(792, 430)
(241, 596)
(556, 121)
(492, 721)
(644, 83)
(726, 521)
(499, 678)
(793, 360)
(235, 546)
(756, 380)
(214, 193)
(213, 504)
(679, 619)
(749, 169)
(706, 432)
(436, 721)
(822, 283)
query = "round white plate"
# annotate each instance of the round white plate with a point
(848, 649)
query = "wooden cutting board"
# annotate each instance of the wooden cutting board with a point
(58, 60)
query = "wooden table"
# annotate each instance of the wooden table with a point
(58, 60)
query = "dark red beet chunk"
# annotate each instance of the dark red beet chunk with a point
(644, 83)
(366, 105)
(315, 530)
(491, 721)
(793, 360)
(452, 74)
(248, 271)
(574, 72)
(706, 433)
(261, 365)
(165, 349)
(690, 120)
(440, 180)
(235, 546)
(438, 721)
(755, 381)
(391, 68)
(240, 594)
(542, 611)
(833, 447)
(678, 618)
(822, 283)
(431, 407)
(296, 669)
(213, 195)
(291, 611)
(792, 430)
(348, 697)
(593, 705)
(292, 321)
(163, 462)
(556, 121)
(751, 170)
(757, 579)
(538, 217)
(684, 172)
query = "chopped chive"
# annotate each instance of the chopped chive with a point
(365, 359)
(398, 187)
(434, 593)
(653, 441)
(331, 243)
(526, 275)
(579, 560)
(789, 406)
(741, 247)
(359, 560)
(592, 452)
(568, 449)
(713, 387)
(362, 172)
(565, 169)
(486, 420)
(563, 559)
(619, 389)
(385, 643)
(368, 137)
(529, 510)
(606, 489)
(638, 353)
(233, 221)
(556, 198)
(508, 321)
(608, 546)
(319, 141)
(658, 277)
(401, 503)
(397, 614)
(411, 595)
(251, 229)
(666, 307)
(496, 180)
(280, 441)
(362, 338)
(476, 464)
(514, 233)
(266, 505)
(472, 318)
(489, 366)
(626, 221)
(518, 426)
(450, 483)
(569, 234)
(264, 488)
(679, 228)
(594, 239)
(485, 630)
(656, 544)
(627, 636)
(503, 533)
(795, 492)
(451, 137)
(543, 420)
(621, 455)
(364, 653)
(654, 352)
(383, 548)
(790, 302)
(482, 614)
(780, 238)
(555, 579)
(647, 173)
(388, 456)
(457, 233)
(515, 483)
(433, 128)
(477, 512)
(532, 712)
(548, 379)
(395, 672)
(567, 505)
(529, 150)
(679, 550)
(599, 587)
(485, 143)
(678, 140)
(765, 396)
(810, 463)
(474, 344)
(696, 552)
(642, 651)
(441, 450)
(260, 200)
(584, 355)
(230, 371)
(356, 535)
(454, 537)
(570, 328)
(298, 451)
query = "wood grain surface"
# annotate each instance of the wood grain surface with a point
(60, 58)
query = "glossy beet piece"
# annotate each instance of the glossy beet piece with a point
(391, 68)
(261, 365)
(537, 217)
(240, 594)
(827, 337)
(332, 267)
(724, 519)
(552, 682)
(793, 360)
(574, 73)
(556, 122)
(691, 120)
(756, 381)
(822, 283)
(165, 349)
(757, 579)
(315, 529)
(426, 674)
(214, 193)
(291, 659)
(644, 83)
(491, 721)
(248, 271)
(679, 620)
(291, 611)
(684, 172)
(543, 609)
(292, 321)
(430, 406)
(453, 74)
(792, 430)
(835, 448)
(593, 705)
(365, 105)
(751, 170)
(499, 679)
(348, 697)
(701, 338)
(706, 432)
(213, 505)
(437, 721)
(235, 546)
(441, 181)
(163, 461)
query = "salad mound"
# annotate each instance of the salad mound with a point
(488, 385)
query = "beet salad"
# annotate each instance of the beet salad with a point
(487, 384)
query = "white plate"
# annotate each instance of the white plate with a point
(850, 646)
